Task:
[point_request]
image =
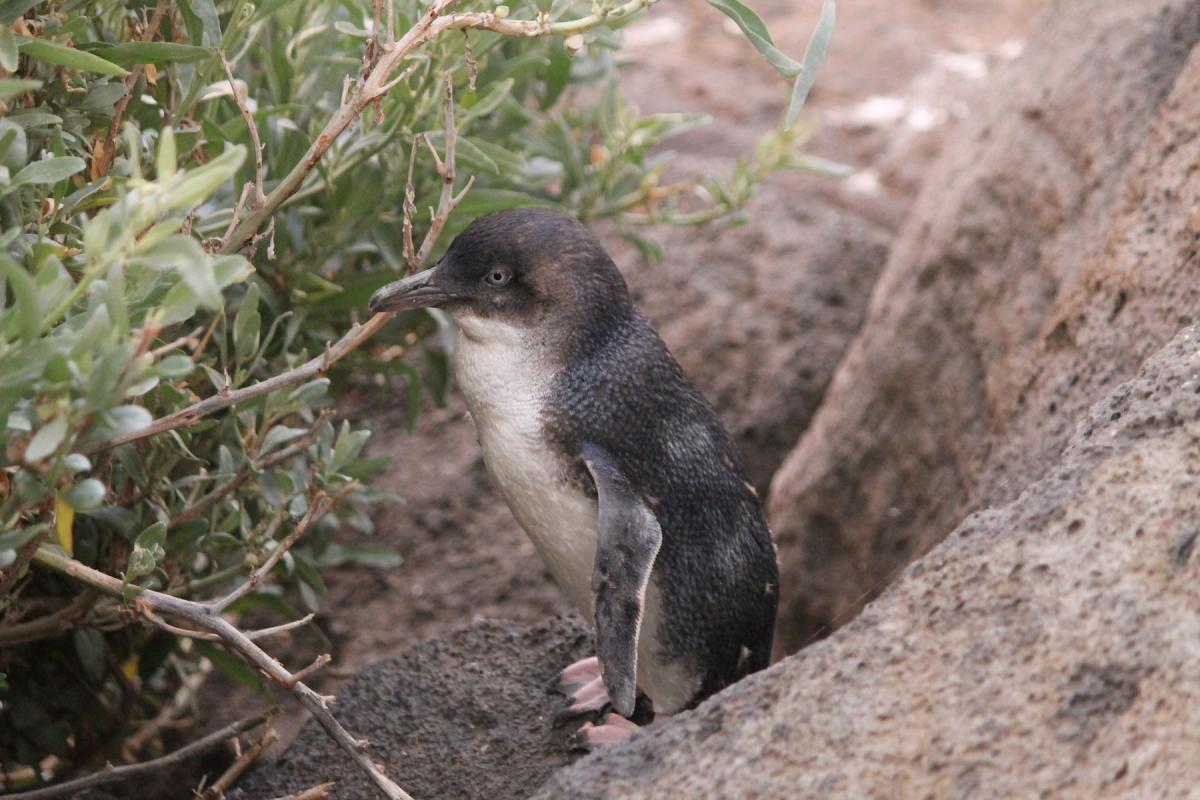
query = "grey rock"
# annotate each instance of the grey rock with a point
(1049, 254)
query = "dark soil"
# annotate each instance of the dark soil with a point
(468, 715)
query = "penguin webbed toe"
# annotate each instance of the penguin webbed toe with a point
(612, 728)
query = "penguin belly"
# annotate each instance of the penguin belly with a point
(506, 385)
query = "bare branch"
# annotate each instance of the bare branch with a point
(259, 198)
(318, 662)
(111, 774)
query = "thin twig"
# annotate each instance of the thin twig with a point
(237, 209)
(111, 774)
(447, 200)
(314, 367)
(166, 717)
(318, 792)
(259, 197)
(317, 509)
(239, 766)
(53, 624)
(410, 207)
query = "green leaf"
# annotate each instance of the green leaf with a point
(814, 55)
(203, 24)
(11, 540)
(126, 419)
(756, 31)
(49, 170)
(15, 87)
(24, 288)
(13, 145)
(176, 366)
(165, 165)
(231, 666)
(279, 435)
(86, 495)
(46, 441)
(90, 647)
(246, 325)
(77, 462)
(8, 49)
(184, 255)
(153, 537)
(131, 53)
(378, 557)
(199, 183)
(69, 57)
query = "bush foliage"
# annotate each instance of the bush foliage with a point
(123, 157)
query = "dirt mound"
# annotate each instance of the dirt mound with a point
(1049, 253)
(1048, 648)
(464, 716)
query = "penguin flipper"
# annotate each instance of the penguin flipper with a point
(627, 542)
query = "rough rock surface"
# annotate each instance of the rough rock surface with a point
(464, 716)
(1053, 247)
(1047, 648)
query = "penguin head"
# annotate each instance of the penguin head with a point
(516, 267)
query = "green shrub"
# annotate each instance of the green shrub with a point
(141, 271)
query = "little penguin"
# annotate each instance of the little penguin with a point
(611, 461)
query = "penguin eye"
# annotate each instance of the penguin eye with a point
(498, 276)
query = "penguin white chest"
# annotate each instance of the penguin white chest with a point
(506, 382)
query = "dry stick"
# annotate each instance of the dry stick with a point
(239, 766)
(111, 774)
(448, 201)
(61, 621)
(259, 196)
(207, 619)
(318, 792)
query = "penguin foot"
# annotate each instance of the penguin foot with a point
(591, 698)
(613, 729)
(578, 675)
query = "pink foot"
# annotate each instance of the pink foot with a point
(591, 698)
(578, 675)
(613, 729)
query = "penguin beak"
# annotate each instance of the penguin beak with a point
(415, 291)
